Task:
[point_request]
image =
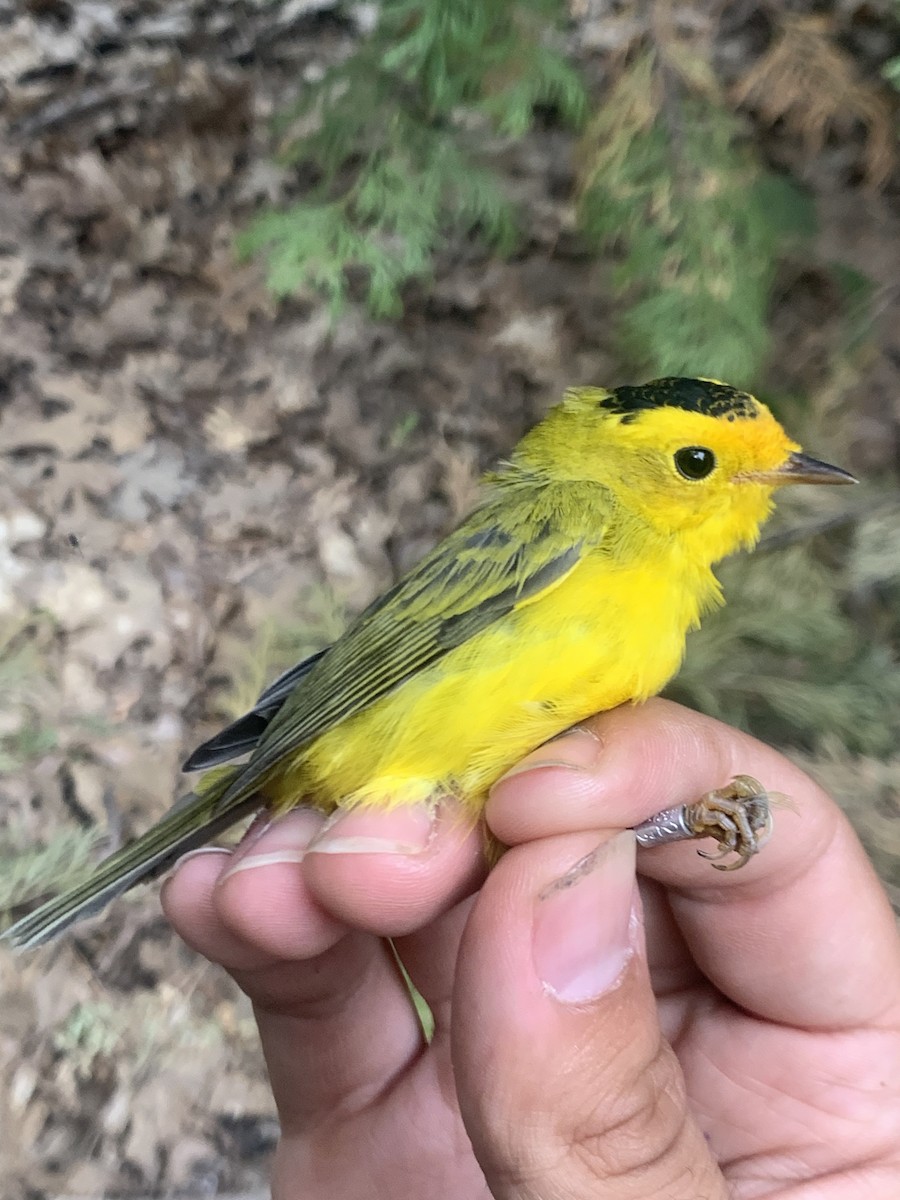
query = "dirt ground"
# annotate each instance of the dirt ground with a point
(193, 476)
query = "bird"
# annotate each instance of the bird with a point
(568, 590)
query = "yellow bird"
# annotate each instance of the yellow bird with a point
(568, 590)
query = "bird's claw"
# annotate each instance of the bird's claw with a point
(738, 816)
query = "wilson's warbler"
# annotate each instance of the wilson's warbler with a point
(567, 591)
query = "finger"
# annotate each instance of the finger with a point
(429, 957)
(247, 924)
(811, 897)
(392, 872)
(565, 1084)
(336, 1030)
(384, 872)
(334, 1016)
(669, 959)
(395, 873)
(277, 913)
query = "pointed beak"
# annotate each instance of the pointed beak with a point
(800, 468)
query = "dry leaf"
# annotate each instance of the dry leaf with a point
(807, 81)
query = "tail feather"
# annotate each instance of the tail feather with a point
(243, 734)
(194, 820)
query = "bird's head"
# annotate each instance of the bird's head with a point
(684, 454)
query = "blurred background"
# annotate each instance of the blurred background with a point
(277, 281)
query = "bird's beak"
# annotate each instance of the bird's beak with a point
(800, 468)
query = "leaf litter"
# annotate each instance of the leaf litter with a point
(187, 464)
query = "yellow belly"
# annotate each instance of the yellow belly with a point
(603, 636)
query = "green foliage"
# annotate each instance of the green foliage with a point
(420, 1004)
(857, 292)
(393, 144)
(786, 660)
(88, 1033)
(135, 1027)
(321, 618)
(891, 69)
(28, 873)
(388, 222)
(697, 226)
(400, 139)
(22, 736)
(404, 429)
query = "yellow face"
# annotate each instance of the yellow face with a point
(688, 457)
(681, 470)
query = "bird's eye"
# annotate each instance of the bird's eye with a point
(695, 462)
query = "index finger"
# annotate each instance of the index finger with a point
(803, 935)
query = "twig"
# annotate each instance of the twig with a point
(67, 109)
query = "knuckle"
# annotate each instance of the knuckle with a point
(661, 742)
(639, 1135)
(641, 1129)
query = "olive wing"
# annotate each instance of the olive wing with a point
(500, 558)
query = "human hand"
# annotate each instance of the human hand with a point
(730, 1035)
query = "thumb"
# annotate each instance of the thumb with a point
(565, 1083)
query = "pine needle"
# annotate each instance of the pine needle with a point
(396, 135)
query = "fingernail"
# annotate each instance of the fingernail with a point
(577, 750)
(286, 841)
(201, 851)
(176, 866)
(254, 831)
(406, 830)
(254, 861)
(585, 922)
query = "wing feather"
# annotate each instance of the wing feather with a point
(243, 734)
(488, 567)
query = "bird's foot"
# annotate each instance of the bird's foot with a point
(738, 816)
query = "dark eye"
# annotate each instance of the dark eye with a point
(695, 462)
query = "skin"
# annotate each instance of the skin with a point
(725, 1036)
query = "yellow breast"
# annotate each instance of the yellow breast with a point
(607, 634)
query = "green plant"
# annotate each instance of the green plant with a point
(23, 737)
(669, 185)
(320, 619)
(787, 660)
(29, 872)
(401, 132)
(138, 1027)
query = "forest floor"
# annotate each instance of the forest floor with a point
(198, 484)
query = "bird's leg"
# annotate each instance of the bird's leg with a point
(738, 816)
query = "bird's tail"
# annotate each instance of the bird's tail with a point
(194, 820)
